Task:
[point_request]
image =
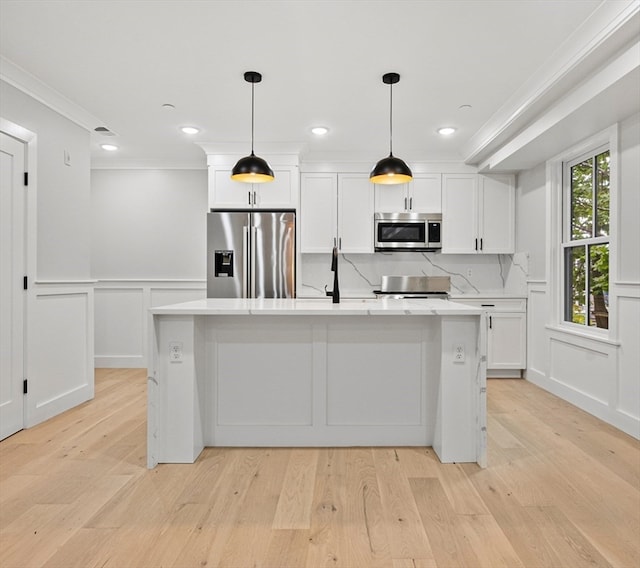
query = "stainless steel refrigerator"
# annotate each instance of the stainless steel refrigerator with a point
(251, 254)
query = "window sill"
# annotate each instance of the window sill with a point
(583, 334)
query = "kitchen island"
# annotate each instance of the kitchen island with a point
(280, 372)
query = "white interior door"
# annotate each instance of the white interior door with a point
(12, 260)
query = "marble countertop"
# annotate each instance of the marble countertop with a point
(320, 306)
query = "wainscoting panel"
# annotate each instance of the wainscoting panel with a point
(122, 316)
(628, 395)
(587, 369)
(120, 327)
(60, 350)
(537, 342)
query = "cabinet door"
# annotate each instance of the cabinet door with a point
(459, 213)
(228, 194)
(281, 193)
(318, 212)
(355, 213)
(390, 198)
(506, 341)
(425, 193)
(497, 218)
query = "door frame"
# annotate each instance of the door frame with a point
(29, 139)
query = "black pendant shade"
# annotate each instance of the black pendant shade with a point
(390, 170)
(252, 168)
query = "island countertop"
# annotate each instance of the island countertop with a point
(319, 306)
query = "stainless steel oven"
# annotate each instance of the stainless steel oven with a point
(408, 231)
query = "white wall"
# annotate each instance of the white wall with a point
(148, 249)
(59, 301)
(148, 224)
(598, 375)
(64, 199)
(531, 229)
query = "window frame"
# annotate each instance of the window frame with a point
(568, 243)
(556, 233)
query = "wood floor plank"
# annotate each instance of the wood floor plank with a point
(562, 490)
(294, 504)
(407, 537)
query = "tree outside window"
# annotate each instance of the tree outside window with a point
(586, 242)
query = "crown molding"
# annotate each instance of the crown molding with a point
(612, 25)
(22, 80)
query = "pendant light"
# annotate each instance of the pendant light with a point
(252, 168)
(390, 170)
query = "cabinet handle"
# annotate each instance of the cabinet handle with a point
(410, 203)
(335, 242)
(487, 305)
(254, 198)
(405, 203)
(249, 195)
(480, 244)
(476, 244)
(490, 323)
(339, 243)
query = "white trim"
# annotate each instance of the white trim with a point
(43, 93)
(582, 334)
(555, 200)
(97, 163)
(590, 42)
(64, 282)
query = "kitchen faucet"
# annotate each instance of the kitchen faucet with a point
(335, 294)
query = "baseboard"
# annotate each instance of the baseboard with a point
(628, 424)
(504, 374)
(119, 362)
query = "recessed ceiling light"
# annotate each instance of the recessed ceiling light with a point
(319, 130)
(168, 106)
(446, 131)
(109, 147)
(464, 107)
(190, 130)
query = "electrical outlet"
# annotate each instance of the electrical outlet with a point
(469, 272)
(175, 352)
(458, 354)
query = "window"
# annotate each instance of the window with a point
(585, 240)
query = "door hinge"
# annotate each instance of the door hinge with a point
(25, 389)
(25, 282)
(26, 178)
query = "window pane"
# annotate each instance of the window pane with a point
(602, 195)
(582, 200)
(575, 263)
(599, 286)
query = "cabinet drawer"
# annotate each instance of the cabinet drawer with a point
(495, 304)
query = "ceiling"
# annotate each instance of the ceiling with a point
(321, 62)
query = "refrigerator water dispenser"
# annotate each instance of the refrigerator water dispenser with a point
(223, 263)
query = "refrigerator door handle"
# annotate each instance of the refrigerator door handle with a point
(245, 252)
(252, 271)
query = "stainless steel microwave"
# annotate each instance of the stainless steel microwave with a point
(408, 231)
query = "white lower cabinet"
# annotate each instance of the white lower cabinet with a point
(506, 334)
(506, 340)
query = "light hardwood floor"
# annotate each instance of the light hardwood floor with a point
(562, 490)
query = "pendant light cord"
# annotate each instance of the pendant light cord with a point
(391, 119)
(252, 105)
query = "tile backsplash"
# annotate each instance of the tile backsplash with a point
(470, 274)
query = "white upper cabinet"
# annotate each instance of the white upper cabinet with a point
(355, 213)
(336, 210)
(281, 193)
(478, 214)
(497, 218)
(423, 194)
(318, 212)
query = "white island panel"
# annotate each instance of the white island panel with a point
(312, 373)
